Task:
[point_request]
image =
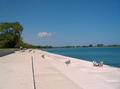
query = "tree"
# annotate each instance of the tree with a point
(90, 45)
(10, 34)
(100, 45)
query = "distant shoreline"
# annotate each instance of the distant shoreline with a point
(6, 51)
(79, 47)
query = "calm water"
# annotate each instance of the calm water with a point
(110, 56)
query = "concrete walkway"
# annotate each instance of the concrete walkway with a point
(16, 73)
(48, 77)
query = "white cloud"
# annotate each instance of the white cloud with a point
(45, 34)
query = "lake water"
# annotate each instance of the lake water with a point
(110, 56)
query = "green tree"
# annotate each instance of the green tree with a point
(10, 34)
(90, 45)
(100, 45)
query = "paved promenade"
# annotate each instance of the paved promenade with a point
(20, 71)
(36, 69)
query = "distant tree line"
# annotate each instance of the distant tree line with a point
(10, 37)
(26, 45)
(89, 46)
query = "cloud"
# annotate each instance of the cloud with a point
(45, 34)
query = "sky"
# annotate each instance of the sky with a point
(65, 22)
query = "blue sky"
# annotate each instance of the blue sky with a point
(65, 22)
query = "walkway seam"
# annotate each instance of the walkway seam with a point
(33, 72)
